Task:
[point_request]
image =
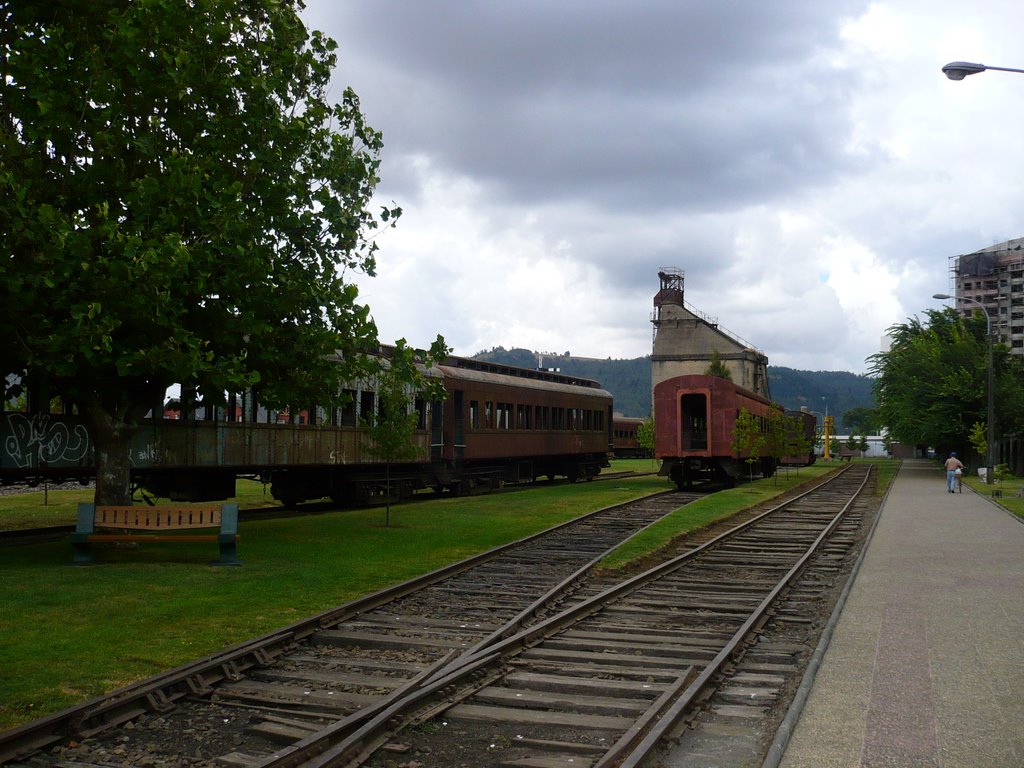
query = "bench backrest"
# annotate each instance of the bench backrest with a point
(157, 518)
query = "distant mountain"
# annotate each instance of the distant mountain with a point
(836, 391)
(629, 381)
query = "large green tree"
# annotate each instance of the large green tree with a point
(861, 420)
(931, 384)
(179, 202)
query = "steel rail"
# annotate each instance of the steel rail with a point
(629, 753)
(498, 645)
(159, 692)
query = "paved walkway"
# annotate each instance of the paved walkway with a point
(926, 665)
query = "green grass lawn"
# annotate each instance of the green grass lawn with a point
(72, 633)
(41, 508)
(1010, 489)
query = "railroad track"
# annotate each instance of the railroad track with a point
(691, 651)
(18, 537)
(337, 664)
(509, 664)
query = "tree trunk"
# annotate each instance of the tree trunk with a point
(111, 438)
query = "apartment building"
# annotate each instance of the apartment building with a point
(994, 277)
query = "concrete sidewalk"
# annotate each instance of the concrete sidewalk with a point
(926, 665)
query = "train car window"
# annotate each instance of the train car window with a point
(474, 414)
(367, 401)
(421, 413)
(488, 415)
(347, 417)
(558, 418)
(522, 417)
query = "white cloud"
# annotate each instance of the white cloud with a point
(805, 163)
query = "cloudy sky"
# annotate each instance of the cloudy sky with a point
(805, 163)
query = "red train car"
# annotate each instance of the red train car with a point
(694, 418)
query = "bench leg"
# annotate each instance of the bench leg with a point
(83, 553)
(228, 553)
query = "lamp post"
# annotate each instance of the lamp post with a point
(991, 389)
(958, 70)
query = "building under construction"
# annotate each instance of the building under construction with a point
(994, 277)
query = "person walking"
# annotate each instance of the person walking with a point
(952, 465)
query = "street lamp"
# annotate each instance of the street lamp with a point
(958, 70)
(991, 389)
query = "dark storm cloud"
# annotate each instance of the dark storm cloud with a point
(804, 162)
(631, 105)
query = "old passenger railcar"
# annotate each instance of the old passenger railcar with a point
(505, 424)
(498, 424)
(625, 440)
(806, 424)
(694, 419)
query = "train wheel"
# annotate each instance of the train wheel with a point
(289, 499)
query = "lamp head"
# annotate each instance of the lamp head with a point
(958, 70)
(941, 296)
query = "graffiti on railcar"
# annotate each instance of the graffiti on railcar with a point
(152, 455)
(40, 440)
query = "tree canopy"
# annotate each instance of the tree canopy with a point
(750, 437)
(180, 201)
(863, 421)
(931, 384)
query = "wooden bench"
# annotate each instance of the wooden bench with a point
(164, 523)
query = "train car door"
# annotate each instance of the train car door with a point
(693, 422)
(459, 438)
(436, 431)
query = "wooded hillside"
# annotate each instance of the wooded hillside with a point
(629, 381)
